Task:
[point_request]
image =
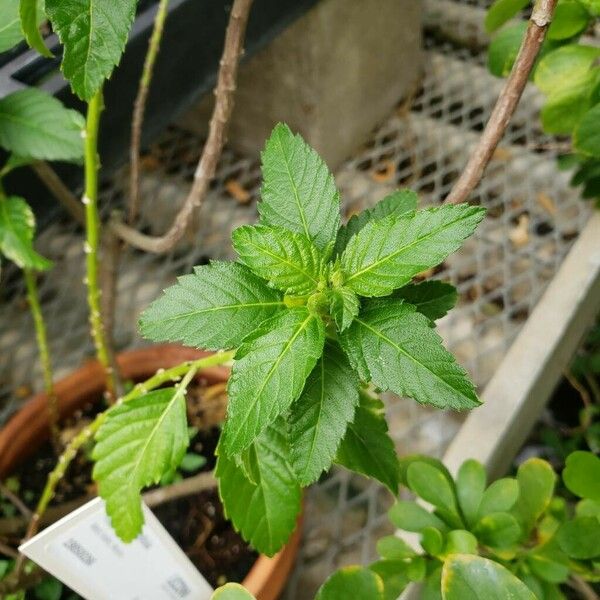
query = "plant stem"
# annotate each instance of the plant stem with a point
(139, 108)
(92, 225)
(88, 432)
(207, 165)
(43, 349)
(507, 102)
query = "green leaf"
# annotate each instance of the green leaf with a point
(570, 18)
(432, 541)
(412, 517)
(232, 591)
(48, 589)
(288, 261)
(586, 137)
(588, 508)
(298, 190)
(393, 345)
(536, 481)
(344, 306)
(393, 575)
(94, 34)
(35, 124)
(498, 530)
(17, 227)
(215, 308)
(460, 541)
(549, 562)
(409, 459)
(264, 510)
(470, 486)
(501, 496)
(268, 374)
(319, 418)
(191, 462)
(502, 11)
(392, 547)
(367, 448)
(352, 582)
(504, 48)
(593, 6)
(565, 68)
(468, 577)
(137, 444)
(397, 203)
(431, 485)
(431, 298)
(10, 25)
(32, 14)
(580, 538)
(432, 586)
(385, 255)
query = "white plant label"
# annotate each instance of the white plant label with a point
(83, 552)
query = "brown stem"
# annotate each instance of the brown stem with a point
(506, 104)
(8, 551)
(60, 191)
(207, 166)
(586, 591)
(15, 501)
(139, 108)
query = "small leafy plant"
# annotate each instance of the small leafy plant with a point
(314, 312)
(513, 538)
(567, 72)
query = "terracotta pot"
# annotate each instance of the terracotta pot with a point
(28, 429)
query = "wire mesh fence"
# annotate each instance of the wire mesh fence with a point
(533, 218)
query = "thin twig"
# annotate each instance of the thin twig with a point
(506, 104)
(574, 383)
(591, 380)
(139, 108)
(8, 550)
(60, 191)
(207, 166)
(586, 591)
(16, 582)
(44, 351)
(14, 500)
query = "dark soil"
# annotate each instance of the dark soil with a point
(196, 522)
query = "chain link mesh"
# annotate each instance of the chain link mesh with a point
(533, 218)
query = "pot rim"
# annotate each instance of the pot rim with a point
(28, 428)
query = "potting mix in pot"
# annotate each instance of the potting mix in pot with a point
(314, 319)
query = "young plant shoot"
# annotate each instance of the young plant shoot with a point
(315, 313)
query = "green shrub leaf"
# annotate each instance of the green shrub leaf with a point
(410, 516)
(582, 475)
(549, 562)
(319, 418)
(392, 547)
(31, 13)
(431, 298)
(393, 345)
(288, 261)
(264, 510)
(431, 485)
(137, 444)
(34, 124)
(352, 582)
(536, 481)
(397, 203)
(501, 496)
(393, 575)
(593, 6)
(344, 306)
(298, 190)
(432, 541)
(94, 34)
(17, 227)
(232, 591)
(460, 541)
(269, 373)
(570, 18)
(565, 68)
(470, 486)
(504, 48)
(215, 308)
(586, 137)
(502, 11)
(367, 448)
(468, 577)
(498, 530)
(10, 24)
(580, 538)
(385, 255)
